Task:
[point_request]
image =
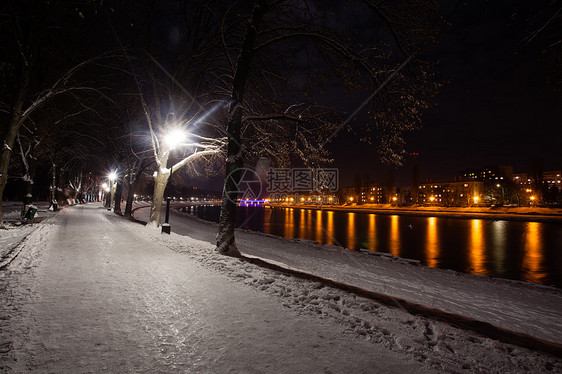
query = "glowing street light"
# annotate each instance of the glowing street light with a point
(172, 139)
(175, 137)
(112, 178)
(432, 198)
(476, 199)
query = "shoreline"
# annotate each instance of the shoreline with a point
(523, 214)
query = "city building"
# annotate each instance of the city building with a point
(373, 194)
(553, 178)
(489, 173)
(452, 193)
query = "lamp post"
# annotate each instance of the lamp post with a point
(105, 190)
(112, 178)
(172, 139)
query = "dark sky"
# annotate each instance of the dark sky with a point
(498, 107)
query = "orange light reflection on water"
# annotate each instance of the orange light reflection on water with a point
(476, 249)
(308, 234)
(330, 232)
(289, 222)
(351, 238)
(302, 224)
(267, 221)
(394, 244)
(431, 246)
(499, 240)
(319, 227)
(533, 255)
(372, 240)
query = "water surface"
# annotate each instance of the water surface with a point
(527, 251)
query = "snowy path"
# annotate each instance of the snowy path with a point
(515, 306)
(93, 293)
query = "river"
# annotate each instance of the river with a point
(526, 251)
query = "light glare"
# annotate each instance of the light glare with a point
(174, 137)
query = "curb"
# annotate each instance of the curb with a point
(455, 320)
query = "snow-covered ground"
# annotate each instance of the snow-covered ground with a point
(13, 232)
(516, 306)
(92, 292)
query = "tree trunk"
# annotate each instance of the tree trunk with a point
(59, 195)
(235, 161)
(118, 196)
(160, 181)
(132, 184)
(12, 131)
(135, 171)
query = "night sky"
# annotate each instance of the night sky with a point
(500, 104)
(500, 64)
(498, 107)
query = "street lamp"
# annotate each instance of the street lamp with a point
(175, 137)
(172, 139)
(112, 178)
(501, 188)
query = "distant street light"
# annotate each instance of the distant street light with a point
(112, 176)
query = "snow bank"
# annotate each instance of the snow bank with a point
(436, 344)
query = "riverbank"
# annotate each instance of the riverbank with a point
(524, 214)
(522, 308)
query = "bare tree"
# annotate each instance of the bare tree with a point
(30, 30)
(285, 38)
